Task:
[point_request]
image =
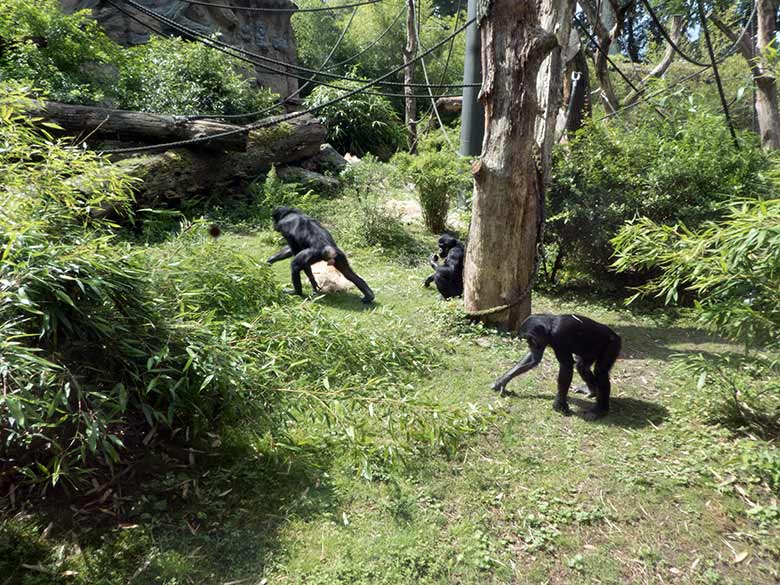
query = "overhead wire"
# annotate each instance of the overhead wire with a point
(293, 115)
(715, 72)
(428, 82)
(372, 44)
(280, 10)
(686, 57)
(241, 54)
(297, 92)
(196, 34)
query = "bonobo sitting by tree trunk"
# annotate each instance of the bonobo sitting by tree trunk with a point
(592, 343)
(449, 275)
(309, 242)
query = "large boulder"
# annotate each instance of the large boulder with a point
(266, 33)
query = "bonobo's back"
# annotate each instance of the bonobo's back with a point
(572, 333)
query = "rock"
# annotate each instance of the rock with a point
(330, 279)
(308, 179)
(330, 160)
(266, 33)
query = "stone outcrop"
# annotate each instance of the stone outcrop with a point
(265, 33)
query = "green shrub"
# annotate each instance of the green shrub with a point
(69, 57)
(680, 170)
(733, 267)
(439, 176)
(273, 193)
(178, 77)
(364, 218)
(360, 124)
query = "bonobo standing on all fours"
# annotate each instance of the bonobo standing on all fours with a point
(310, 243)
(593, 344)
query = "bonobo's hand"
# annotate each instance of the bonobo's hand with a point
(435, 258)
(501, 389)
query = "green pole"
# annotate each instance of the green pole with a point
(472, 113)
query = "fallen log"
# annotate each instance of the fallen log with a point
(125, 125)
(450, 105)
(177, 174)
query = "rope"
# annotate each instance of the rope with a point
(679, 51)
(297, 91)
(718, 82)
(285, 118)
(287, 10)
(428, 81)
(195, 34)
(238, 53)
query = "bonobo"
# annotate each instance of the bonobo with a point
(309, 242)
(449, 275)
(571, 336)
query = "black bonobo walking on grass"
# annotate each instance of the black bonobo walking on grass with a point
(577, 342)
(310, 243)
(449, 275)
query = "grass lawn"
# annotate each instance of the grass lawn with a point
(645, 495)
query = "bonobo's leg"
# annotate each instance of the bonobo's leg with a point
(342, 265)
(429, 280)
(565, 373)
(314, 286)
(583, 369)
(285, 252)
(531, 360)
(302, 261)
(604, 364)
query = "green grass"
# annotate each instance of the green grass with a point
(645, 495)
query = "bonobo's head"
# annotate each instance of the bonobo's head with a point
(447, 243)
(535, 333)
(329, 255)
(281, 212)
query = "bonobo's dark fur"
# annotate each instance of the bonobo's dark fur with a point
(592, 343)
(309, 242)
(449, 275)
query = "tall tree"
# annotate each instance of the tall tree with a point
(410, 103)
(755, 53)
(509, 175)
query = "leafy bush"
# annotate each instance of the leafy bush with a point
(733, 267)
(178, 77)
(360, 124)
(67, 56)
(70, 59)
(439, 176)
(364, 218)
(680, 170)
(273, 193)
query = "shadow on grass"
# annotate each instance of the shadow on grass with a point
(345, 301)
(215, 523)
(647, 342)
(624, 412)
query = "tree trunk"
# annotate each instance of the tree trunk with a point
(410, 104)
(124, 125)
(556, 17)
(766, 85)
(767, 114)
(508, 187)
(175, 175)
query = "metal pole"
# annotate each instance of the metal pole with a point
(472, 113)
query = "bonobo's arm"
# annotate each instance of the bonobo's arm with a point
(285, 252)
(529, 362)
